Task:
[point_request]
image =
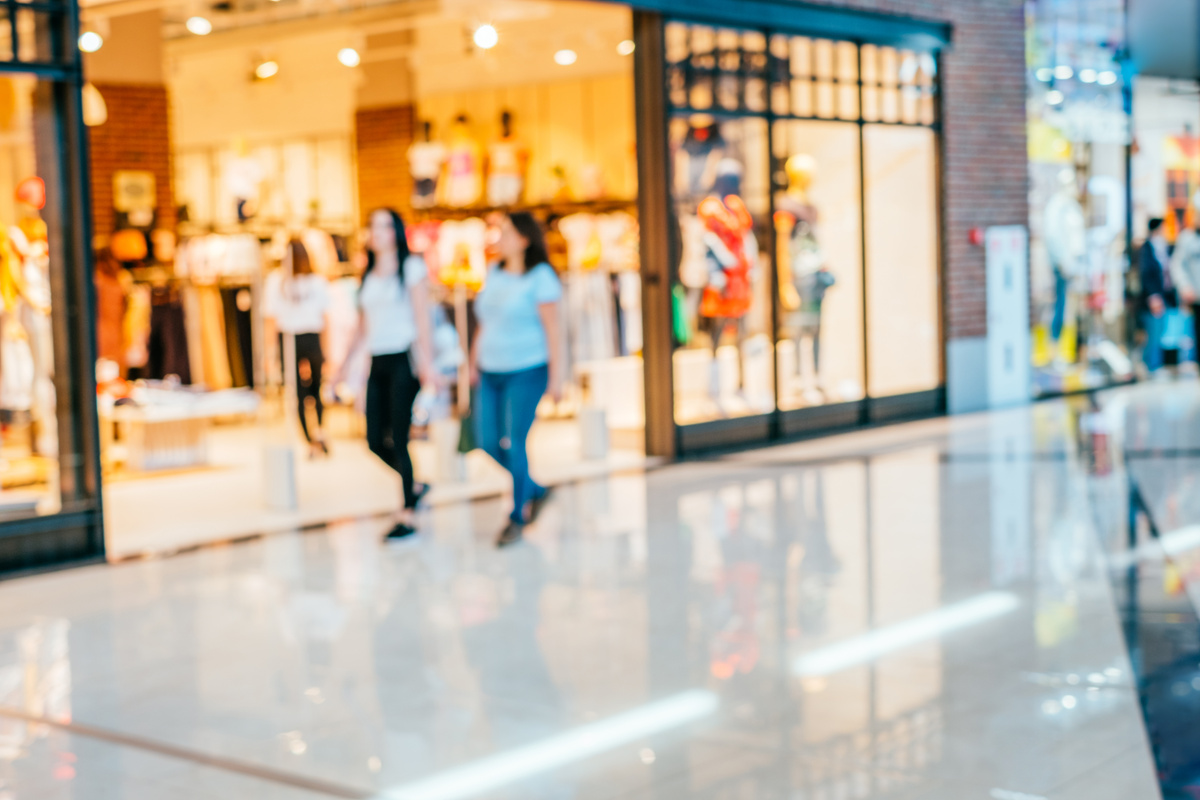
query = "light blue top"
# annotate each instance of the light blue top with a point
(512, 337)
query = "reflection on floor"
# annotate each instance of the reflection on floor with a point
(925, 611)
(151, 513)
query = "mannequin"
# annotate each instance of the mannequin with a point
(425, 160)
(464, 168)
(803, 275)
(697, 158)
(731, 253)
(1066, 245)
(507, 158)
(243, 179)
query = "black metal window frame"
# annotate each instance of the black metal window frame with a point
(48, 50)
(782, 423)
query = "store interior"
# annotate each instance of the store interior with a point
(284, 120)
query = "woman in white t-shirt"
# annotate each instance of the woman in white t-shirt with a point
(394, 319)
(296, 302)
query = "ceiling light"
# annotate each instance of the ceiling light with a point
(1087, 75)
(90, 41)
(349, 57)
(877, 643)
(486, 37)
(1107, 78)
(1044, 74)
(1054, 97)
(626, 47)
(199, 26)
(565, 58)
(267, 69)
(1064, 72)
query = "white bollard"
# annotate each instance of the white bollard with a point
(593, 426)
(449, 464)
(279, 478)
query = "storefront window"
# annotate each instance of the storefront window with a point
(844, 327)
(902, 260)
(31, 247)
(1079, 131)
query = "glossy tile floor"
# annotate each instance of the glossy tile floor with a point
(935, 610)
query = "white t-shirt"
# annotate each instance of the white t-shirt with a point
(301, 307)
(391, 325)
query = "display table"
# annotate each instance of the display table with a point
(167, 429)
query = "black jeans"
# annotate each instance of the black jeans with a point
(391, 390)
(308, 351)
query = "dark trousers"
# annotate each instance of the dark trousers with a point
(310, 360)
(391, 391)
(508, 404)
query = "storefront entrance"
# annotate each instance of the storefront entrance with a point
(720, 206)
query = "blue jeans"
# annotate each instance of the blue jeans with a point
(1152, 353)
(507, 406)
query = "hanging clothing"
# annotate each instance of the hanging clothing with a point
(506, 172)
(111, 306)
(425, 160)
(462, 253)
(137, 327)
(168, 347)
(212, 339)
(298, 307)
(236, 303)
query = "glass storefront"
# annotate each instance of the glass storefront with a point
(48, 476)
(1079, 136)
(798, 285)
(795, 301)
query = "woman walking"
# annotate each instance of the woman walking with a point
(296, 302)
(517, 357)
(394, 319)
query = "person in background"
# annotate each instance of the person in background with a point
(396, 323)
(1158, 292)
(516, 357)
(112, 301)
(1185, 272)
(296, 303)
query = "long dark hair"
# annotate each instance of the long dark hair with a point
(402, 251)
(531, 230)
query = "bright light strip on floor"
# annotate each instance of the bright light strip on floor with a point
(870, 646)
(489, 774)
(1175, 543)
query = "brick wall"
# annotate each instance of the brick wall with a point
(383, 136)
(137, 136)
(986, 171)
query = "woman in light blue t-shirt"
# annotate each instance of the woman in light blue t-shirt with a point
(517, 356)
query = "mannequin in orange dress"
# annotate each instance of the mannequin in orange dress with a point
(732, 252)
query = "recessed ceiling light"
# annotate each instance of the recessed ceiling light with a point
(626, 47)
(199, 26)
(1087, 76)
(565, 58)
(486, 37)
(1044, 74)
(1054, 97)
(267, 69)
(349, 57)
(1063, 72)
(1107, 78)
(90, 41)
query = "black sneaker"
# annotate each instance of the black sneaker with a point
(419, 492)
(538, 503)
(511, 534)
(401, 530)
